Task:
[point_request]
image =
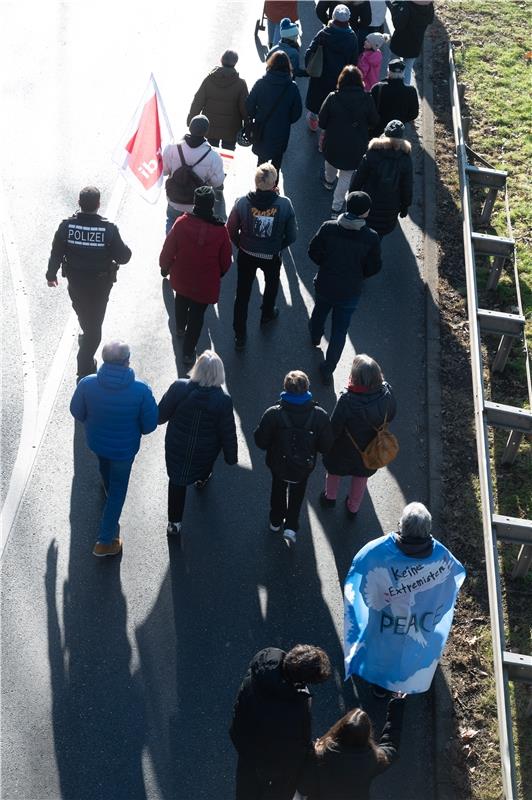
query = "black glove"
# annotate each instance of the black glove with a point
(403, 212)
(164, 272)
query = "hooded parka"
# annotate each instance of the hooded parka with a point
(340, 47)
(222, 98)
(346, 116)
(275, 104)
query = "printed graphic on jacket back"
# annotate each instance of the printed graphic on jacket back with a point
(263, 219)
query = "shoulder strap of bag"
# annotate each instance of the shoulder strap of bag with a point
(272, 109)
(380, 428)
(288, 422)
(182, 157)
(205, 154)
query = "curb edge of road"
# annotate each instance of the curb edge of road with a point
(442, 706)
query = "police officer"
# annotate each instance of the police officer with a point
(89, 249)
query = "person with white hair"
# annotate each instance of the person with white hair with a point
(201, 423)
(116, 409)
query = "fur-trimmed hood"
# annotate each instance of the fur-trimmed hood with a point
(386, 143)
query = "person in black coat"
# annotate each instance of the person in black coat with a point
(201, 423)
(360, 12)
(346, 116)
(386, 174)
(292, 432)
(339, 47)
(410, 19)
(347, 759)
(347, 252)
(274, 103)
(271, 726)
(394, 100)
(367, 403)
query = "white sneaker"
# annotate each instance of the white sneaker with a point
(173, 529)
(290, 536)
(275, 528)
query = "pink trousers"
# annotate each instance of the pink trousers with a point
(357, 488)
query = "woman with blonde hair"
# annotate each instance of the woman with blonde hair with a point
(201, 423)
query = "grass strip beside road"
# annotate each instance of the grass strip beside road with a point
(491, 42)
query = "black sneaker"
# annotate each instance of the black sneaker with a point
(189, 358)
(240, 342)
(271, 317)
(326, 502)
(326, 376)
(350, 514)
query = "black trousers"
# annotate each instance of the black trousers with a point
(89, 300)
(249, 786)
(247, 269)
(227, 144)
(286, 500)
(176, 502)
(189, 318)
(268, 155)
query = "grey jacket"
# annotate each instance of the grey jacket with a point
(262, 222)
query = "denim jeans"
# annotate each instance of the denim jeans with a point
(115, 477)
(342, 312)
(171, 215)
(409, 66)
(274, 32)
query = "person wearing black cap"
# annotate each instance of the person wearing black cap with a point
(347, 252)
(193, 151)
(196, 254)
(89, 250)
(393, 98)
(387, 175)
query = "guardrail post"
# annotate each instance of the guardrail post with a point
(495, 273)
(512, 447)
(503, 351)
(487, 208)
(524, 562)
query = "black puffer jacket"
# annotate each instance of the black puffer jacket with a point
(346, 773)
(386, 174)
(339, 48)
(360, 12)
(346, 117)
(410, 21)
(272, 422)
(360, 413)
(394, 100)
(347, 252)
(271, 723)
(200, 424)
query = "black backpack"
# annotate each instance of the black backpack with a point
(181, 185)
(294, 449)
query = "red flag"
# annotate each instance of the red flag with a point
(140, 155)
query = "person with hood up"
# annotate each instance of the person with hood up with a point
(222, 99)
(338, 44)
(292, 432)
(360, 411)
(274, 104)
(387, 175)
(271, 725)
(261, 225)
(410, 19)
(370, 59)
(116, 409)
(201, 424)
(347, 252)
(196, 254)
(194, 151)
(346, 759)
(346, 117)
(393, 99)
(289, 44)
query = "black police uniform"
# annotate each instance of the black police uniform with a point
(89, 249)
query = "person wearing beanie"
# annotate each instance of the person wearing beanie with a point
(347, 252)
(410, 19)
(393, 99)
(275, 11)
(222, 98)
(370, 60)
(346, 117)
(336, 46)
(196, 255)
(361, 409)
(292, 432)
(359, 13)
(289, 44)
(260, 225)
(387, 175)
(192, 151)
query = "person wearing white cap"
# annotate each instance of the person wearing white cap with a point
(370, 60)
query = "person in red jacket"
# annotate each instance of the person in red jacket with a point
(275, 11)
(196, 254)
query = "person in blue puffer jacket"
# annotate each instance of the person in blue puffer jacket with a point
(201, 423)
(116, 410)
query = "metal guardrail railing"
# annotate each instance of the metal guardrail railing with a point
(497, 528)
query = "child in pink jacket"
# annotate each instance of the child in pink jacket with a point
(370, 59)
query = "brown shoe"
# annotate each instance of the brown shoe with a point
(113, 549)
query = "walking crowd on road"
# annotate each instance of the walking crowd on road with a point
(361, 125)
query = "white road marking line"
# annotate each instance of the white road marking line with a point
(35, 414)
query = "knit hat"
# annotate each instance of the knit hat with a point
(204, 198)
(396, 65)
(341, 13)
(395, 129)
(229, 58)
(358, 203)
(376, 40)
(289, 29)
(199, 125)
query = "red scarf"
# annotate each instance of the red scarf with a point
(356, 388)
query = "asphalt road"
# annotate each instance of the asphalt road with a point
(118, 678)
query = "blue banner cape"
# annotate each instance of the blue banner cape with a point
(398, 612)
